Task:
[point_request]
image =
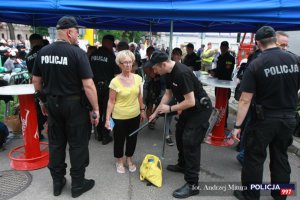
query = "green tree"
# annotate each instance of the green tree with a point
(128, 36)
(43, 31)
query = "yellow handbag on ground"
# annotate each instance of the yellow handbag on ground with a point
(151, 170)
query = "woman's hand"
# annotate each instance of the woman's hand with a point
(143, 115)
(107, 125)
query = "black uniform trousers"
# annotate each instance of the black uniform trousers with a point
(40, 117)
(68, 122)
(277, 134)
(190, 132)
(103, 96)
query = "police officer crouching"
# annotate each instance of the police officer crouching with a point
(62, 71)
(274, 79)
(195, 108)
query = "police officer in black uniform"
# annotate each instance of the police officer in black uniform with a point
(191, 59)
(224, 69)
(104, 68)
(36, 43)
(63, 74)
(274, 79)
(195, 108)
(225, 63)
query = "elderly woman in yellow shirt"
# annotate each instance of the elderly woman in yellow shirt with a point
(126, 106)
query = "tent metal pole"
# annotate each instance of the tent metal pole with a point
(171, 39)
(150, 33)
(33, 24)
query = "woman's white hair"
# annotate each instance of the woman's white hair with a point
(122, 55)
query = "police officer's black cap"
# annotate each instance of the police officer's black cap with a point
(156, 57)
(190, 45)
(264, 32)
(224, 44)
(67, 22)
(110, 38)
(35, 36)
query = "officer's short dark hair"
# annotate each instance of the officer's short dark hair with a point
(177, 51)
(224, 44)
(35, 36)
(267, 41)
(156, 57)
(150, 49)
(190, 45)
(123, 45)
(110, 38)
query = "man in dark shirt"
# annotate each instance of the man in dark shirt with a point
(62, 72)
(195, 108)
(200, 50)
(104, 68)
(225, 63)
(191, 59)
(274, 79)
(36, 43)
(225, 66)
(138, 60)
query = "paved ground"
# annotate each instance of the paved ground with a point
(218, 165)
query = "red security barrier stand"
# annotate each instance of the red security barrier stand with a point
(33, 154)
(218, 137)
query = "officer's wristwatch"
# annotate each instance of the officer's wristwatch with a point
(237, 127)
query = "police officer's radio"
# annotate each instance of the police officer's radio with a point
(205, 102)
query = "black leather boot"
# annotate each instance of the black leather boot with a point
(175, 168)
(58, 186)
(186, 191)
(239, 195)
(86, 186)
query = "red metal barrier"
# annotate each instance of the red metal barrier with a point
(30, 156)
(217, 137)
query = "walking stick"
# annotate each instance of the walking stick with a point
(140, 128)
(94, 130)
(164, 137)
(145, 124)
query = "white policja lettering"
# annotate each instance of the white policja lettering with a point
(282, 69)
(54, 60)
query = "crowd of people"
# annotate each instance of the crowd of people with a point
(118, 85)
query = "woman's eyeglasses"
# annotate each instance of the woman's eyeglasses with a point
(127, 63)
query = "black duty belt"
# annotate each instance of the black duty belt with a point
(278, 114)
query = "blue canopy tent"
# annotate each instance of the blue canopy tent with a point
(187, 15)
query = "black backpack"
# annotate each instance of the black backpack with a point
(3, 133)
